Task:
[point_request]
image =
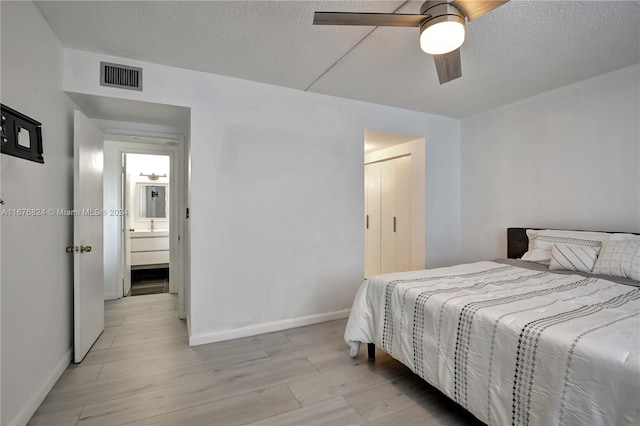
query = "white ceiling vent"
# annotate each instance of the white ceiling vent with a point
(120, 76)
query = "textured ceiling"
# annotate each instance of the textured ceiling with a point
(518, 50)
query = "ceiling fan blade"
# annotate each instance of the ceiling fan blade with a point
(474, 9)
(368, 19)
(448, 66)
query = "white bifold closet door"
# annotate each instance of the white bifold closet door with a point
(388, 216)
(372, 219)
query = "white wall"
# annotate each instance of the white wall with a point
(568, 158)
(277, 193)
(36, 272)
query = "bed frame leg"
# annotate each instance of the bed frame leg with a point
(371, 350)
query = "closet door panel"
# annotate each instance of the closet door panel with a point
(366, 224)
(402, 169)
(372, 224)
(387, 214)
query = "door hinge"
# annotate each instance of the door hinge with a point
(367, 222)
(394, 224)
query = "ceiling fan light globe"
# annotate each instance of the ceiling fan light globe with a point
(442, 37)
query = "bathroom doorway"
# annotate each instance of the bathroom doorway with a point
(144, 178)
(142, 128)
(146, 198)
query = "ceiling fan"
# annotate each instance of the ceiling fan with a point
(441, 23)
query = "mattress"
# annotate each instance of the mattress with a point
(512, 345)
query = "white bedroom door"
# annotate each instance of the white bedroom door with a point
(88, 262)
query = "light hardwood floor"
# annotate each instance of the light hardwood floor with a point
(142, 371)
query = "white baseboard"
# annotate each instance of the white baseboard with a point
(31, 404)
(110, 296)
(252, 330)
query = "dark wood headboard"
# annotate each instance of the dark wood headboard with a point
(518, 242)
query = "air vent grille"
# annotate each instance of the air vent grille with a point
(121, 76)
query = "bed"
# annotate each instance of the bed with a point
(513, 341)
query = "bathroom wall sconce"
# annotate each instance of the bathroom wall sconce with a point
(153, 176)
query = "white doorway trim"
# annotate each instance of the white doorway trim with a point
(127, 141)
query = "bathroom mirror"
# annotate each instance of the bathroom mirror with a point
(152, 200)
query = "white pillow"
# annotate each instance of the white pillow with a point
(571, 257)
(541, 242)
(624, 237)
(619, 259)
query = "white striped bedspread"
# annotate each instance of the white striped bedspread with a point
(511, 345)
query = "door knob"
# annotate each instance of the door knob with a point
(85, 249)
(71, 249)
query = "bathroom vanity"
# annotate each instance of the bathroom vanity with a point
(150, 248)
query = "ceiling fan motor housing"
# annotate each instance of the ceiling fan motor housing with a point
(440, 11)
(437, 8)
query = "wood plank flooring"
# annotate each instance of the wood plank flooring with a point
(142, 371)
